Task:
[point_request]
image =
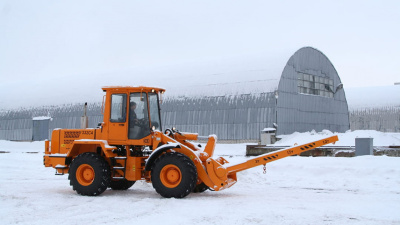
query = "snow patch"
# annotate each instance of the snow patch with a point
(41, 118)
(345, 139)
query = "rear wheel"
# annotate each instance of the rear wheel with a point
(89, 174)
(174, 175)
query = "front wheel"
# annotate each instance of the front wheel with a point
(89, 174)
(174, 175)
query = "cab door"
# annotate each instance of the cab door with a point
(139, 121)
(118, 128)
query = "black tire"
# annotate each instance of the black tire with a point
(121, 184)
(182, 167)
(89, 174)
(200, 188)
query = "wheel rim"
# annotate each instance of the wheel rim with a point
(85, 174)
(170, 176)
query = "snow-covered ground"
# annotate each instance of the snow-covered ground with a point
(295, 190)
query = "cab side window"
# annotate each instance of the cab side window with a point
(118, 108)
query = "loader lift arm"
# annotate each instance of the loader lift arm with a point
(224, 176)
(272, 156)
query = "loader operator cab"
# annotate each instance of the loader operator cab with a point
(136, 108)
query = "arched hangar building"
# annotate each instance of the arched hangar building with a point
(235, 101)
(306, 95)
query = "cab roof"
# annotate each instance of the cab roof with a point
(133, 89)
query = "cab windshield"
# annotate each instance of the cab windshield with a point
(154, 111)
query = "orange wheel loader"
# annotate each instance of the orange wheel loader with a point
(129, 145)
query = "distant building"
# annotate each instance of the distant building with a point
(307, 94)
(303, 93)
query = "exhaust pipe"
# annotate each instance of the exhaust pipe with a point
(84, 118)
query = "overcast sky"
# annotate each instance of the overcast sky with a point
(42, 40)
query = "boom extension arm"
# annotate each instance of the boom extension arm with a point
(272, 156)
